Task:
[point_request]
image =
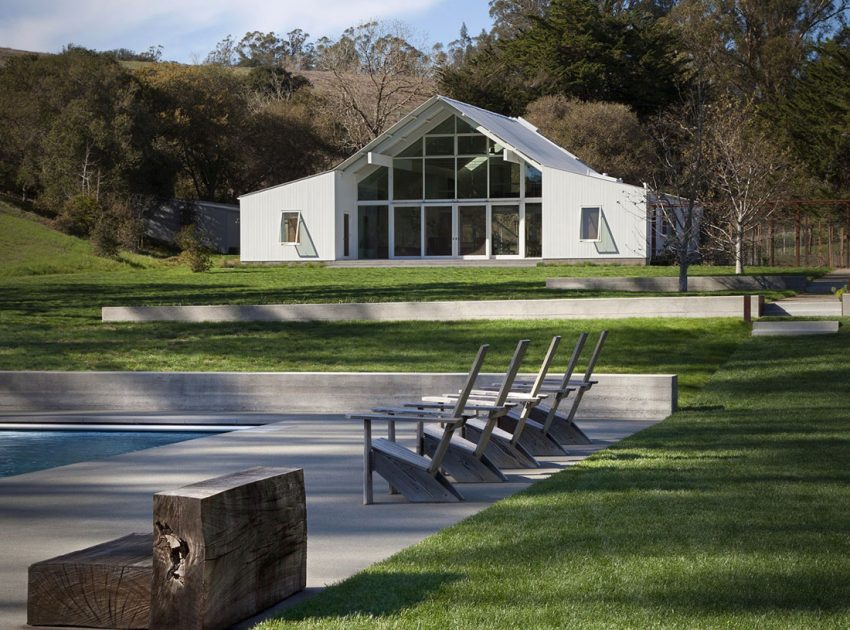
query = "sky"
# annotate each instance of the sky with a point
(189, 29)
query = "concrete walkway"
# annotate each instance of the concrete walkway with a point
(52, 512)
(435, 262)
(817, 301)
(827, 284)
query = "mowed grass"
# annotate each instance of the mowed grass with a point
(31, 248)
(731, 514)
(52, 322)
(677, 346)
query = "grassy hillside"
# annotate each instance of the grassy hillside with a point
(28, 247)
(7, 53)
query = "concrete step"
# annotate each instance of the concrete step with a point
(793, 328)
(803, 308)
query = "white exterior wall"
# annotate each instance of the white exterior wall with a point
(346, 203)
(260, 216)
(623, 208)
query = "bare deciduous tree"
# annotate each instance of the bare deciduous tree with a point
(748, 174)
(378, 75)
(680, 180)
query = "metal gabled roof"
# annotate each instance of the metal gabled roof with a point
(516, 134)
(523, 137)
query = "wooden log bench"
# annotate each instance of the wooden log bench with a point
(105, 586)
(222, 550)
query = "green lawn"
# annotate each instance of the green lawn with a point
(29, 247)
(677, 346)
(731, 514)
(52, 321)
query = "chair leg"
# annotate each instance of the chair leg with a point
(417, 485)
(561, 429)
(460, 462)
(501, 452)
(532, 438)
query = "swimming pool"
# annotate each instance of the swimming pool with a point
(27, 451)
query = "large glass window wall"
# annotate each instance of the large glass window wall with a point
(451, 192)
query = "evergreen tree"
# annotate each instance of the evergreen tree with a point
(816, 115)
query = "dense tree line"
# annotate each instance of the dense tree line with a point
(685, 95)
(728, 106)
(85, 136)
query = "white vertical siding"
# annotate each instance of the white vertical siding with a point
(260, 215)
(623, 209)
(346, 202)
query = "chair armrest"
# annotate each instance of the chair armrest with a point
(378, 417)
(513, 397)
(424, 413)
(557, 390)
(443, 402)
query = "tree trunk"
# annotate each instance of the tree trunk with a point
(846, 237)
(829, 246)
(739, 249)
(683, 275)
(771, 234)
(797, 239)
(809, 239)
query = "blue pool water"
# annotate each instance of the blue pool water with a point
(28, 451)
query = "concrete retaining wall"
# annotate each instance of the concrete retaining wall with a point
(794, 328)
(617, 396)
(588, 308)
(695, 283)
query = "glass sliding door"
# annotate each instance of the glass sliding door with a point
(438, 231)
(373, 232)
(533, 230)
(407, 231)
(505, 230)
(472, 230)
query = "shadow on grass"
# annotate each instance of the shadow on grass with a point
(374, 594)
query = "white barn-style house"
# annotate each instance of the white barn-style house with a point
(451, 180)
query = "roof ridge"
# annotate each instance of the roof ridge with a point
(487, 111)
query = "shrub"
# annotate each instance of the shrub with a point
(79, 215)
(129, 225)
(103, 238)
(193, 250)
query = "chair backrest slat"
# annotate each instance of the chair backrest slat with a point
(470, 380)
(544, 367)
(513, 370)
(595, 356)
(571, 364)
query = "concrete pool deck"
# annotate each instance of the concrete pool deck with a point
(52, 512)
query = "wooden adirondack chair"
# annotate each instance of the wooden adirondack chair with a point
(418, 478)
(515, 428)
(560, 427)
(532, 434)
(525, 433)
(481, 452)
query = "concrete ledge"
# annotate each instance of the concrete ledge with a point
(587, 308)
(793, 328)
(806, 307)
(695, 283)
(617, 396)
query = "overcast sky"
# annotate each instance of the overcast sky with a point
(189, 29)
